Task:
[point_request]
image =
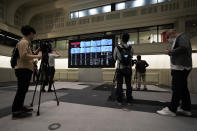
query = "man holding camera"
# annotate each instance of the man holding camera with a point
(123, 53)
(141, 72)
(23, 71)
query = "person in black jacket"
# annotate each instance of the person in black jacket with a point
(181, 65)
(141, 72)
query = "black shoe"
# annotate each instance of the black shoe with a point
(43, 90)
(27, 109)
(145, 89)
(20, 115)
(120, 101)
(50, 90)
(130, 100)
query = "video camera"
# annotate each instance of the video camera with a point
(45, 48)
(134, 61)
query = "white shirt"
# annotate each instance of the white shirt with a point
(52, 59)
(178, 67)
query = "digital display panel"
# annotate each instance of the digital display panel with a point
(92, 53)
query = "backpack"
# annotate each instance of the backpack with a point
(14, 57)
(126, 57)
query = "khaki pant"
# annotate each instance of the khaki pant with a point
(141, 76)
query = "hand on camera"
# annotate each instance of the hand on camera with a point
(39, 56)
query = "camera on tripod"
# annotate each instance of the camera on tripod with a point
(45, 48)
(134, 61)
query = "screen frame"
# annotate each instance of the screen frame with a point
(89, 39)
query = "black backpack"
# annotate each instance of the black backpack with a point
(126, 57)
(14, 57)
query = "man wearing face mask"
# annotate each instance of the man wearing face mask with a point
(181, 65)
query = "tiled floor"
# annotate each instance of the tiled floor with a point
(84, 109)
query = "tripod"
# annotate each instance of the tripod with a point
(135, 82)
(112, 97)
(44, 66)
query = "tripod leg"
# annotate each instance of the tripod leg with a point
(56, 95)
(112, 97)
(136, 82)
(34, 94)
(38, 112)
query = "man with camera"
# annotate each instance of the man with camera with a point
(141, 72)
(23, 71)
(123, 53)
(52, 54)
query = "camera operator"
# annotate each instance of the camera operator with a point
(23, 71)
(51, 71)
(123, 53)
(141, 72)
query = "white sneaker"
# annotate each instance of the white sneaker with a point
(183, 112)
(166, 112)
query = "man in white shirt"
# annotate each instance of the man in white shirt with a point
(52, 55)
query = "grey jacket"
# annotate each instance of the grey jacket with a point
(117, 56)
(181, 54)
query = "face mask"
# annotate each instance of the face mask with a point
(171, 40)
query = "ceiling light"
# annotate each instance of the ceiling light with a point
(93, 11)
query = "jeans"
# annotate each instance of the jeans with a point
(23, 78)
(51, 76)
(141, 76)
(124, 73)
(180, 92)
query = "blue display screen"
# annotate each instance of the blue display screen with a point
(93, 43)
(106, 49)
(72, 51)
(83, 44)
(88, 43)
(98, 49)
(88, 50)
(93, 46)
(83, 50)
(106, 42)
(98, 43)
(96, 52)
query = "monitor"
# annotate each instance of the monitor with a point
(92, 53)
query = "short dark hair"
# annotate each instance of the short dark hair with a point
(139, 57)
(27, 30)
(125, 37)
